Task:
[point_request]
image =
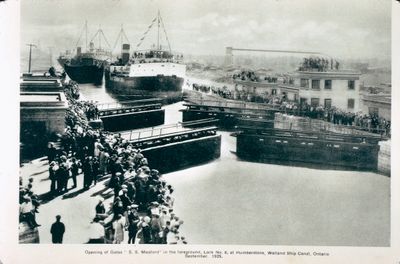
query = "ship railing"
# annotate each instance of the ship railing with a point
(154, 60)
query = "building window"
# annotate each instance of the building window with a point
(315, 102)
(328, 103)
(304, 83)
(373, 110)
(315, 84)
(350, 103)
(351, 85)
(328, 84)
(303, 101)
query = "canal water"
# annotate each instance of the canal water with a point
(229, 201)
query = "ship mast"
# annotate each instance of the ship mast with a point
(160, 23)
(100, 35)
(99, 38)
(86, 32)
(121, 36)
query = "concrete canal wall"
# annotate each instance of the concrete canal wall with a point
(384, 157)
(180, 155)
(43, 113)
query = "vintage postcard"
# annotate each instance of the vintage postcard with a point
(200, 131)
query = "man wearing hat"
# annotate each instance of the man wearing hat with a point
(57, 231)
(75, 165)
(146, 230)
(124, 198)
(27, 212)
(51, 152)
(100, 209)
(87, 172)
(118, 226)
(52, 176)
(155, 225)
(133, 220)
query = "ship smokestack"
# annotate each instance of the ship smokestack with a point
(125, 53)
(78, 51)
(91, 46)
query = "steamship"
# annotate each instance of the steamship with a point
(88, 66)
(155, 72)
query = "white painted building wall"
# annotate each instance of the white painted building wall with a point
(340, 93)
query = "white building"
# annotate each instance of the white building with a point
(340, 89)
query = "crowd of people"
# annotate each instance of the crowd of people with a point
(318, 64)
(142, 203)
(246, 76)
(253, 77)
(28, 203)
(158, 56)
(367, 122)
(241, 95)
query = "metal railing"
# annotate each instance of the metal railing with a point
(129, 109)
(313, 135)
(135, 135)
(233, 104)
(127, 104)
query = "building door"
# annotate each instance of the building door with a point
(33, 138)
(328, 103)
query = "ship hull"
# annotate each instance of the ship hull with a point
(85, 73)
(166, 88)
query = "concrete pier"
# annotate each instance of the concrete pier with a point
(384, 157)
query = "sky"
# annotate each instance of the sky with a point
(339, 28)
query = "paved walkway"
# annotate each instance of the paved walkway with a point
(76, 206)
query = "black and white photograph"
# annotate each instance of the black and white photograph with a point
(187, 122)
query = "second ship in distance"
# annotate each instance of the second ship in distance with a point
(87, 66)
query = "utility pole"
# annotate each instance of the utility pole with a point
(30, 55)
(158, 30)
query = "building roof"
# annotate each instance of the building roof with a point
(43, 100)
(264, 84)
(339, 75)
(378, 98)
